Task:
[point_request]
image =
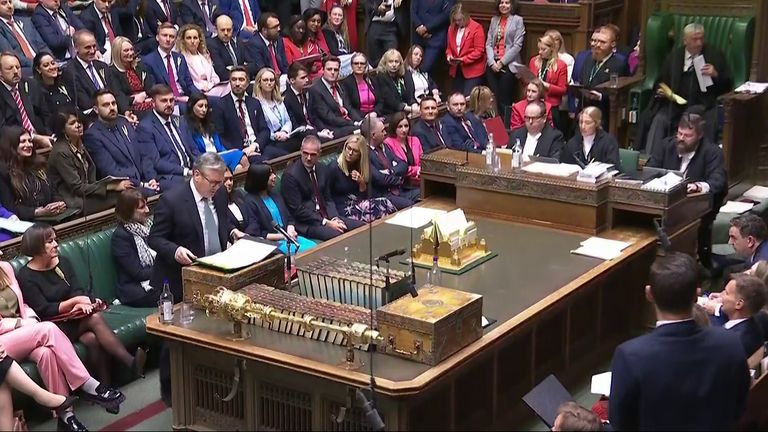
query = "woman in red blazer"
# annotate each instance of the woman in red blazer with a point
(465, 51)
(552, 72)
(533, 91)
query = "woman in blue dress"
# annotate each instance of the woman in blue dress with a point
(200, 123)
(266, 206)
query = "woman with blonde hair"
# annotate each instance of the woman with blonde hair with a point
(191, 43)
(552, 72)
(482, 103)
(336, 32)
(349, 181)
(392, 85)
(534, 91)
(562, 54)
(591, 143)
(266, 91)
(130, 76)
(465, 51)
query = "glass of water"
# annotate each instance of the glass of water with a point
(614, 79)
(187, 312)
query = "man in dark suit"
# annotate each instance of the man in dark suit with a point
(111, 142)
(671, 378)
(384, 24)
(22, 102)
(159, 12)
(748, 235)
(387, 170)
(704, 168)
(295, 95)
(56, 24)
(463, 130)
(19, 36)
(226, 52)
(241, 122)
(598, 69)
(307, 195)
(104, 22)
(244, 20)
(83, 76)
(266, 49)
(678, 73)
(329, 107)
(743, 298)
(428, 128)
(537, 137)
(430, 23)
(190, 221)
(200, 13)
(168, 67)
(168, 144)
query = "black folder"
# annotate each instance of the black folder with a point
(546, 398)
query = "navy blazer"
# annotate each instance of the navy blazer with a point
(342, 186)
(190, 12)
(750, 335)
(297, 113)
(33, 100)
(156, 66)
(177, 223)
(220, 56)
(154, 15)
(8, 41)
(135, 28)
(435, 16)
(604, 149)
(383, 183)
(50, 30)
(325, 113)
(457, 138)
(671, 378)
(155, 143)
(115, 157)
(257, 55)
(296, 188)
(78, 82)
(233, 9)
(550, 142)
(227, 121)
(428, 137)
(90, 18)
(129, 271)
(261, 225)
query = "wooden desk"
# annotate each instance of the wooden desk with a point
(744, 132)
(619, 103)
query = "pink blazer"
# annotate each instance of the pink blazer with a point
(413, 170)
(25, 311)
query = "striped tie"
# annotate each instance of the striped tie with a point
(22, 111)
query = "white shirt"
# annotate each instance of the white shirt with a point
(176, 136)
(209, 144)
(664, 322)
(388, 16)
(247, 120)
(236, 212)
(63, 24)
(17, 25)
(107, 44)
(685, 160)
(163, 56)
(459, 37)
(338, 98)
(731, 323)
(200, 211)
(688, 60)
(420, 83)
(589, 140)
(529, 148)
(87, 66)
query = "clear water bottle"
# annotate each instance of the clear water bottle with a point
(165, 304)
(517, 154)
(490, 152)
(346, 255)
(434, 277)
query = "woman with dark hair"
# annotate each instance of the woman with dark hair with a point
(297, 45)
(238, 211)
(406, 147)
(392, 86)
(132, 255)
(419, 80)
(506, 34)
(336, 33)
(207, 139)
(267, 206)
(360, 89)
(46, 72)
(51, 288)
(315, 19)
(130, 76)
(349, 183)
(24, 186)
(71, 171)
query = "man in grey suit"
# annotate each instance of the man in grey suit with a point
(19, 36)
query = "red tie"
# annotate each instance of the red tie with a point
(246, 13)
(272, 52)
(22, 111)
(241, 112)
(167, 10)
(319, 202)
(342, 110)
(108, 25)
(25, 47)
(171, 76)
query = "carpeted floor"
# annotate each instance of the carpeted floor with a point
(142, 411)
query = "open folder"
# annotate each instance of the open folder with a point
(243, 253)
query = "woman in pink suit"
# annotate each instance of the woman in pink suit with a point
(405, 146)
(350, 16)
(24, 336)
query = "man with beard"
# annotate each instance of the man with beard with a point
(265, 48)
(704, 171)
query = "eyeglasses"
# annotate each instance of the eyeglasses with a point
(212, 183)
(358, 63)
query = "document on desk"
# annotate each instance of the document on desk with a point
(756, 193)
(14, 225)
(752, 87)
(704, 80)
(601, 384)
(736, 207)
(557, 170)
(415, 217)
(241, 254)
(602, 248)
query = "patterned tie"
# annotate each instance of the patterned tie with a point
(211, 229)
(436, 129)
(22, 111)
(108, 26)
(180, 151)
(208, 24)
(335, 93)
(241, 113)
(246, 13)
(171, 76)
(468, 128)
(231, 50)
(25, 47)
(319, 202)
(92, 73)
(167, 10)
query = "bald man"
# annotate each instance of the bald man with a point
(226, 52)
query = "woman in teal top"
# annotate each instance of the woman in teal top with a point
(267, 207)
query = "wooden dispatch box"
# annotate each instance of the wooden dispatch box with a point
(206, 279)
(431, 327)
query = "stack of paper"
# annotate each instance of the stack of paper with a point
(736, 207)
(414, 217)
(597, 247)
(593, 172)
(601, 384)
(663, 184)
(752, 87)
(557, 170)
(241, 254)
(756, 193)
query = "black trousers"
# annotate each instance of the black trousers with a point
(502, 85)
(381, 37)
(463, 84)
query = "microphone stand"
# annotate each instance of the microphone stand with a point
(288, 265)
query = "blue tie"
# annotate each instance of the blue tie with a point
(95, 80)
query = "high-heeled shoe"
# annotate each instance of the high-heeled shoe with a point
(68, 402)
(139, 361)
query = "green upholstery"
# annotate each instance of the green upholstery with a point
(326, 159)
(628, 159)
(733, 35)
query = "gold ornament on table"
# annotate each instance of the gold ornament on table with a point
(454, 240)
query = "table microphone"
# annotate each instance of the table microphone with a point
(282, 231)
(389, 255)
